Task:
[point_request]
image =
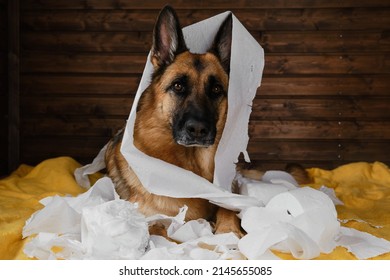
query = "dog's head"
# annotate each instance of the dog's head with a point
(190, 90)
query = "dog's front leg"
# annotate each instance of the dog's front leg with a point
(227, 221)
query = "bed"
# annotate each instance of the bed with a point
(363, 188)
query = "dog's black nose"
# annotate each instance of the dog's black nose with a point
(193, 131)
(196, 129)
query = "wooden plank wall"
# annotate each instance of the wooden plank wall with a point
(324, 99)
(3, 89)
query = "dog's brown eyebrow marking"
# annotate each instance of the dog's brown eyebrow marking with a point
(198, 65)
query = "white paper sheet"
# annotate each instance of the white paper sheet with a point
(363, 245)
(98, 163)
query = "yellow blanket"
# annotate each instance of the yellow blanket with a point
(363, 187)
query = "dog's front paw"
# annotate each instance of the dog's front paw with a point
(227, 221)
(225, 228)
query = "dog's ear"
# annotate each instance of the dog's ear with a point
(223, 42)
(168, 40)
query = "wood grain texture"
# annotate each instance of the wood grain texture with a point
(13, 75)
(272, 42)
(3, 89)
(323, 101)
(281, 64)
(79, 85)
(341, 108)
(318, 150)
(262, 19)
(320, 85)
(180, 4)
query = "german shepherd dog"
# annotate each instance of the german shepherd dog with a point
(180, 119)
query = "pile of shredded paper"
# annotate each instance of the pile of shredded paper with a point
(98, 225)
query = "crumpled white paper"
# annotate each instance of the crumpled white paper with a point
(302, 221)
(98, 163)
(194, 240)
(94, 225)
(98, 225)
(276, 213)
(298, 220)
(110, 228)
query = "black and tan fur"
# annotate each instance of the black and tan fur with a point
(180, 119)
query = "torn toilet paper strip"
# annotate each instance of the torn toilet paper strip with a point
(81, 173)
(363, 245)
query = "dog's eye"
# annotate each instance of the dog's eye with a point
(217, 89)
(178, 87)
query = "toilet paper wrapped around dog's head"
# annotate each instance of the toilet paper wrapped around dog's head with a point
(246, 66)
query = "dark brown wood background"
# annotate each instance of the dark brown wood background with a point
(3, 88)
(324, 99)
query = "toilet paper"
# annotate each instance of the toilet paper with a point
(98, 225)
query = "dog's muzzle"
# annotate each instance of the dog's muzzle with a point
(196, 133)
